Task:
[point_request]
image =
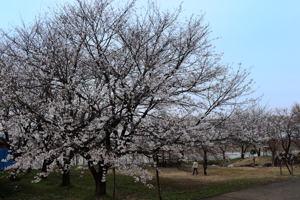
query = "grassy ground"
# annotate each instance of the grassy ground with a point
(176, 185)
(258, 160)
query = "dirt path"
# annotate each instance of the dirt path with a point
(287, 190)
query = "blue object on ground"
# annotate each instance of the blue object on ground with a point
(3, 155)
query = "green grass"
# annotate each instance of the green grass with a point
(83, 188)
(184, 191)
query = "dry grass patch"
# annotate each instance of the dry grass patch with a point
(258, 160)
(221, 174)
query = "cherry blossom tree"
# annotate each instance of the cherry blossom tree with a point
(223, 142)
(246, 128)
(163, 133)
(287, 128)
(296, 123)
(85, 79)
(271, 138)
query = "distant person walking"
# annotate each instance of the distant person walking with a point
(195, 168)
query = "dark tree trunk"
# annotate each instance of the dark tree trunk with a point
(76, 160)
(66, 178)
(6, 141)
(242, 156)
(273, 157)
(46, 162)
(29, 170)
(158, 183)
(164, 163)
(99, 178)
(243, 150)
(286, 145)
(100, 188)
(155, 158)
(258, 152)
(205, 162)
(44, 167)
(224, 156)
(114, 183)
(65, 167)
(280, 166)
(287, 166)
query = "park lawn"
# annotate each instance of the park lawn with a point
(176, 185)
(258, 160)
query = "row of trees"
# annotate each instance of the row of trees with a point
(258, 129)
(245, 129)
(109, 83)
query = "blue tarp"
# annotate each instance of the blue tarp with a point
(3, 155)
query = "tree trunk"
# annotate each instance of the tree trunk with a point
(242, 152)
(164, 163)
(44, 166)
(158, 183)
(224, 156)
(273, 158)
(29, 170)
(46, 162)
(76, 160)
(287, 166)
(100, 188)
(205, 162)
(66, 178)
(66, 170)
(242, 156)
(155, 158)
(114, 183)
(99, 178)
(258, 152)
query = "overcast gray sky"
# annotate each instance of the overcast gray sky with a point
(261, 34)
